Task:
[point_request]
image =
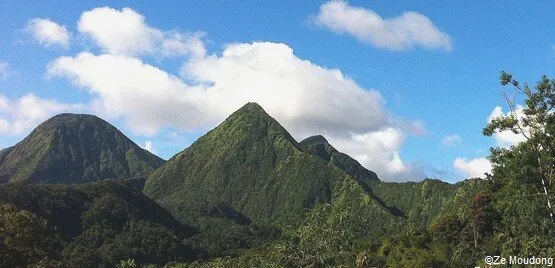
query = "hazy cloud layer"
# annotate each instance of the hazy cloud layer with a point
(4, 70)
(450, 140)
(49, 33)
(306, 98)
(148, 146)
(403, 32)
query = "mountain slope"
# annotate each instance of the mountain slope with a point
(75, 148)
(319, 146)
(422, 202)
(252, 166)
(249, 162)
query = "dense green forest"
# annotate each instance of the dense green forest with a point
(247, 194)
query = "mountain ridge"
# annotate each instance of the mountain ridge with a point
(249, 150)
(319, 146)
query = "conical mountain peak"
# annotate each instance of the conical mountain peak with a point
(252, 107)
(251, 111)
(249, 163)
(71, 118)
(248, 124)
(75, 148)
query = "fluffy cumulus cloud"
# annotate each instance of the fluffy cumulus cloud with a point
(507, 138)
(473, 168)
(450, 140)
(476, 167)
(380, 151)
(306, 98)
(124, 32)
(18, 116)
(49, 33)
(405, 31)
(146, 96)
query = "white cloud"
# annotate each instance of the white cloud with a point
(451, 140)
(306, 98)
(49, 33)
(473, 168)
(4, 70)
(148, 97)
(20, 115)
(403, 32)
(126, 33)
(380, 151)
(303, 95)
(148, 146)
(507, 137)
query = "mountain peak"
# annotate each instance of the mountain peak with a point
(249, 163)
(252, 106)
(72, 115)
(249, 123)
(316, 139)
(65, 119)
(69, 148)
(320, 147)
(250, 109)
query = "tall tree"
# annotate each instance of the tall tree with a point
(533, 160)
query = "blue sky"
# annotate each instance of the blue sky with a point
(407, 106)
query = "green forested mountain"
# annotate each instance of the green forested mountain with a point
(250, 163)
(247, 194)
(421, 203)
(317, 197)
(75, 148)
(86, 225)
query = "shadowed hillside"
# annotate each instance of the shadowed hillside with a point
(88, 225)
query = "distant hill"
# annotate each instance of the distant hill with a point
(75, 148)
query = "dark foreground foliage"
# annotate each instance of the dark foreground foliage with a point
(87, 225)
